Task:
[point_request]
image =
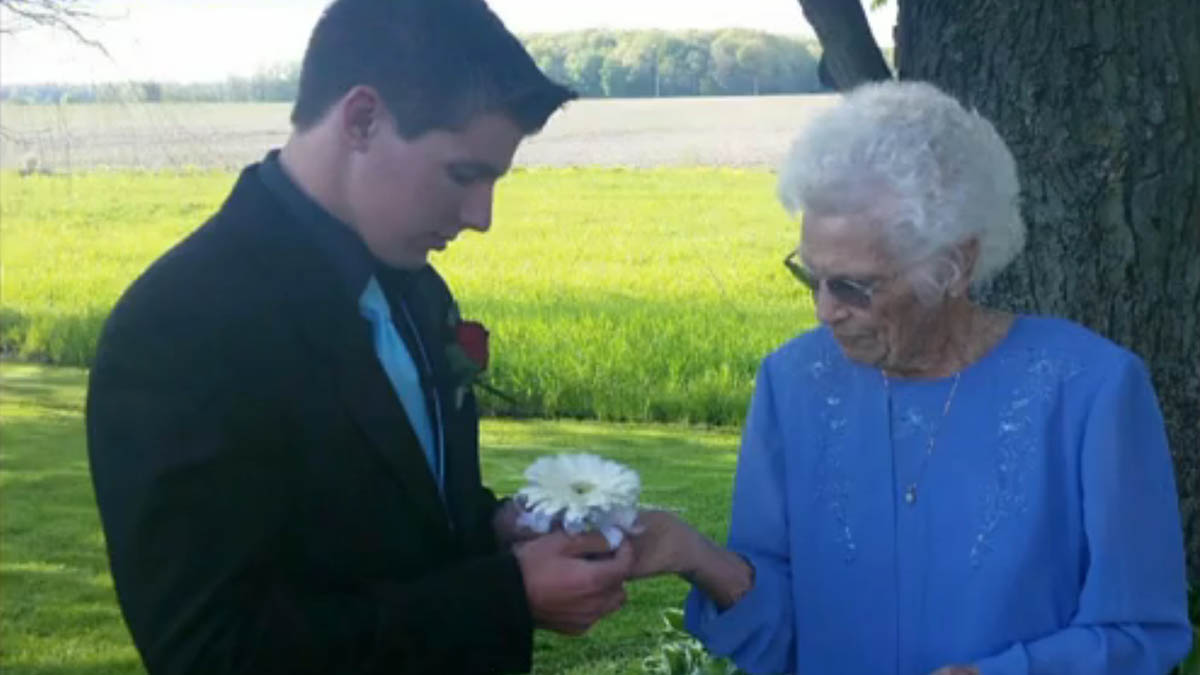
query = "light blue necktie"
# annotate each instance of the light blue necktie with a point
(401, 370)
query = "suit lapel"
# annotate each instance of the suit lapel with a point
(430, 303)
(338, 335)
(372, 402)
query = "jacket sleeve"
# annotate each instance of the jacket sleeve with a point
(758, 632)
(1132, 616)
(193, 490)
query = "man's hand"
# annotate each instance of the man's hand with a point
(568, 593)
(505, 527)
(956, 670)
(666, 545)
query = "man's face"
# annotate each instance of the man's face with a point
(408, 197)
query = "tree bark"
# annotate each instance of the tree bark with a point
(849, 50)
(1100, 102)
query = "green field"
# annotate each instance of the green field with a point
(643, 295)
(59, 612)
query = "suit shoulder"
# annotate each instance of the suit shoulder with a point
(195, 276)
(217, 268)
(204, 295)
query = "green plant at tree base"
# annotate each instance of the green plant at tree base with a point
(678, 653)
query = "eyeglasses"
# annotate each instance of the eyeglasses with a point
(853, 292)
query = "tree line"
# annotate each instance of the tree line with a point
(273, 83)
(606, 63)
(596, 63)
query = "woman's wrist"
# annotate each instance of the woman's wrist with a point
(692, 554)
(721, 574)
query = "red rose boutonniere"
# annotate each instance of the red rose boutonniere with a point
(472, 337)
(468, 355)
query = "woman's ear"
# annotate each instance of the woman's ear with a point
(968, 255)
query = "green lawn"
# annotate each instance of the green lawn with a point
(611, 294)
(58, 613)
(57, 609)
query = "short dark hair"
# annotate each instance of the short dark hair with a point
(436, 64)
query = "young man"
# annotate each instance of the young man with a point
(287, 474)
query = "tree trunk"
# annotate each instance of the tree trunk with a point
(1100, 102)
(849, 51)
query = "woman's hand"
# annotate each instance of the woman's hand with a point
(667, 545)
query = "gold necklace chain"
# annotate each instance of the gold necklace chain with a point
(910, 492)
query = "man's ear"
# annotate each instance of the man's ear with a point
(360, 116)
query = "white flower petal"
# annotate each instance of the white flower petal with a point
(583, 491)
(574, 525)
(537, 521)
(614, 535)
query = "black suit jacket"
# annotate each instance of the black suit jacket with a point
(266, 504)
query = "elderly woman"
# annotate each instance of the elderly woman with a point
(926, 484)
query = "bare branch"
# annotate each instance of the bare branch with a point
(64, 15)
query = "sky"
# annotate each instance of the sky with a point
(208, 40)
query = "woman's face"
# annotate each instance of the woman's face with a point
(886, 326)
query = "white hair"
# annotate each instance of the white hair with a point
(908, 160)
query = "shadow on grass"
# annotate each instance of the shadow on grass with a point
(46, 395)
(60, 613)
(114, 667)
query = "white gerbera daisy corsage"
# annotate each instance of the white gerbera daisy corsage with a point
(583, 493)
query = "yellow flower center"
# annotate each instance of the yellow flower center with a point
(582, 487)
